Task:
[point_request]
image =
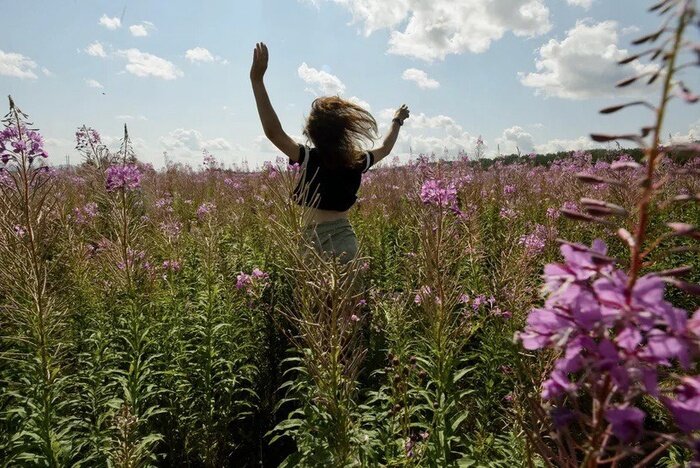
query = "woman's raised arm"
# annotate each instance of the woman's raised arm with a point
(271, 124)
(402, 113)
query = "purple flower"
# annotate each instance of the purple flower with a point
(438, 192)
(205, 209)
(125, 177)
(242, 280)
(165, 204)
(259, 274)
(507, 213)
(171, 265)
(20, 231)
(86, 213)
(685, 408)
(171, 229)
(536, 241)
(508, 190)
(249, 281)
(18, 142)
(627, 423)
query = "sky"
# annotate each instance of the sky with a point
(527, 75)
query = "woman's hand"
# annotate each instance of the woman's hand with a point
(260, 56)
(402, 113)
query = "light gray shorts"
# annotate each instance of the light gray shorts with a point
(335, 237)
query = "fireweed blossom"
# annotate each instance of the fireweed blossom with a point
(610, 333)
(536, 241)
(205, 209)
(124, 177)
(438, 192)
(85, 214)
(249, 282)
(15, 141)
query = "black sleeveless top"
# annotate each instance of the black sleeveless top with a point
(335, 189)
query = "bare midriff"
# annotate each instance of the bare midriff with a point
(321, 216)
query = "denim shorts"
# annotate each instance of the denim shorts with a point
(335, 237)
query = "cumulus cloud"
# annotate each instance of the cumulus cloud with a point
(515, 139)
(559, 145)
(323, 82)
(143, 64)
(430, 30)
(141, 29)
(693, 135)
(420, 78)
(17, 65)
(110, 23)
(429, 134)
(200, 54)
(96, 49)
(584, 64)
(93, 83)
(582, 3)
(193, 140)
(360, 102)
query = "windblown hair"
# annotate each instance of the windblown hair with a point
(337, 129)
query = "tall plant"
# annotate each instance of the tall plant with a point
(35, 407)
(620, 343)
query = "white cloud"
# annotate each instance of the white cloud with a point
(110, 23)
(429, 134)
(193, 140)
(360, 102)
(17, 65)
(93, 83)
(584, 64)
(324, 82)
(582, 3)
(559, 145)
(421, 78)
(143, 64)
(515, 139)
(692, 135)
(431, 30)
(141, 29)
(46, 71)
(96, 49)
(200, 54)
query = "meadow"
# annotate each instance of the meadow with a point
(534, 310)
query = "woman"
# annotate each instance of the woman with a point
(333, 169)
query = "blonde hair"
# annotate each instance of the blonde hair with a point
(337, 128)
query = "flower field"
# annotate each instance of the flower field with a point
(518, 311)
(167, 318)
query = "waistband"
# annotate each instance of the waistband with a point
(336, 223)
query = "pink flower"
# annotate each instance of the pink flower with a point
(126, 177)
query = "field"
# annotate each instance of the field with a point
(170, 317)
(517, 311)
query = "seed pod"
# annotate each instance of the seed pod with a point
(412, 360)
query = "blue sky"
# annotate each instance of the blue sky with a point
(525, 73)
